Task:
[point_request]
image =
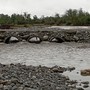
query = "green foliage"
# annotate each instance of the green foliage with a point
(4, 19)
(76, 17)
(71, 17)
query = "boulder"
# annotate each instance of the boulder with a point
(85, 72)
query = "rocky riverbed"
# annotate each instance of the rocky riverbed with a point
(73, 56)
(22, 77)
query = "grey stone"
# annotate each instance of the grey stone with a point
(85, 82)
(85, 85)
(6, 87)
(79, 88)
(20, 88)
(14, 87)
(1, 86)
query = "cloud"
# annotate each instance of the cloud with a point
(42, 7)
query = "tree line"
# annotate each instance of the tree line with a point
(72, 17)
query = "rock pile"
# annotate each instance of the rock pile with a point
(22, 77)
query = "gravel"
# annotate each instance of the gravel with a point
(22, 77)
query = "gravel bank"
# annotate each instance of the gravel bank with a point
(22, 77)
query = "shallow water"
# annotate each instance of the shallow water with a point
(49, 54)
(71, 27)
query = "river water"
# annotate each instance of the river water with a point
(49, 54)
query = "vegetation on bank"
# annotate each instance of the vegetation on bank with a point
(70, 17)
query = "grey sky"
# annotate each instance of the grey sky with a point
(42, 7)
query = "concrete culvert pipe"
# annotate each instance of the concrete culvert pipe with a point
(55, 39)
(34, 39)
(11, 39)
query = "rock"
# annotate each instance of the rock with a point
(6, 87)
(1, 86)
(77, 72)
(67, 78)
(20, 88)
(75, 89)
(13, 80)
(33, 77)
(14, 87)
(71, 82)
(72, 86)
(45, 37)
(57, 88)
(29, 74)
(70, 68)
(79, 88)
(85, 85)
(4, 82)
(81, 60)
(85, 82)
(79, 84)
(10, 87)
(26, 84)
(29, 89)
(85, 72)
(56, 70)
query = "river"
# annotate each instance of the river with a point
(49, 54)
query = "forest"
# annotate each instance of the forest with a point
(71, 17)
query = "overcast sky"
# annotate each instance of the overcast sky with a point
(42, 7)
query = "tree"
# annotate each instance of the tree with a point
(4, 19)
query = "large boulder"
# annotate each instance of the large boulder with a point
(85, 72)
